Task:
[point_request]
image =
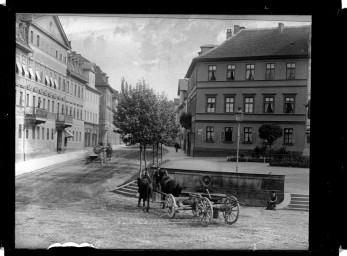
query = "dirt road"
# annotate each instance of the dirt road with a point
(74, 203)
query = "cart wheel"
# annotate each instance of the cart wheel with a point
(204, 211)
(195, 203)
(231, 209)
(171, 206)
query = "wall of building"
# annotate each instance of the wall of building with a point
(238, 89)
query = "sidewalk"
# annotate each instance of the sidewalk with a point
(43, 162)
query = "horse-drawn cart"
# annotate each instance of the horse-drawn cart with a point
(204, 206)
(96, 154)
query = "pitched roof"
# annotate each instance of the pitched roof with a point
(258, 44)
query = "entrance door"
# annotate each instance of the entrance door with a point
(59, 140)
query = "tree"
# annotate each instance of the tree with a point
(136, 118)
(144, 117)
(270, 133)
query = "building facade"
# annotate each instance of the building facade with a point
(42, 124)
(107, 134)
(267, 80)
(182, 108)
(91, 104)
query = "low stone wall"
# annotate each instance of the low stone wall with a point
(250, 189)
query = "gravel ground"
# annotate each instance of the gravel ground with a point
(74, 203)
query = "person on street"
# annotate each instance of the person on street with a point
(109, 151)
(271, 205)
(177, 146)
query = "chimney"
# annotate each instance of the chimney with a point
(280, 28)
(236, 29)
(229, 33)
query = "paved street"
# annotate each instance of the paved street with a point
(73, 202)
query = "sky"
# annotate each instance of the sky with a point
(156, 48)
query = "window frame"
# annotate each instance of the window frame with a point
(250, 135)
(244, 103)
(213, 70)
(209, 131)
(285, 102)
(290, 71)
(232, 72)
(225, 134)
(264, 103)
(268, 71)
(288, 136)
(229, 96)
(250, 71)
(207, 103)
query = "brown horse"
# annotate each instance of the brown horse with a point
(167, 185)
(145, 190)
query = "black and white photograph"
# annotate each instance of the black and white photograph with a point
(171, 132)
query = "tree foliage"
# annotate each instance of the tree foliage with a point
(186, 120)
(270, 132)
(143, 116)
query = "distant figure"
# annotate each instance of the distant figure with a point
(271, 205)
(109, 151)
(177, 146)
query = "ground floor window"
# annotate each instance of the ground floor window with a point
(228, 134)
(52, 134)
(26, 133)
(38, 133)
(33, 132)
(247, 131)
(288, 136)
(47, 133)
(43, 133)
(209, 133)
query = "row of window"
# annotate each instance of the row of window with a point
(248, 136)
(50, 105)
(78, 136)
(40, 133)
(41, 74)
(48, 46)
(250, 69)
(90, 116)
(92, 97)
(248, 104)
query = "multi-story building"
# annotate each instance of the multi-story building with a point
(115, 138)
(182, 108)
(91, 104)
(107, 133)
(41, 77)
(74, 100)
(262, 71)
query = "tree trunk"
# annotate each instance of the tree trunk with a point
(161, 153)
(140, 160)
(157, 153)
(144, 157)
(153, 154)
